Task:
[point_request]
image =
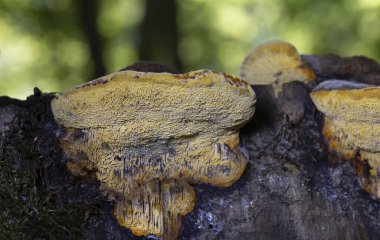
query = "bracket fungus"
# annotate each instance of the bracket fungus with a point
(147, 137)
(275, 63)
(352, 125)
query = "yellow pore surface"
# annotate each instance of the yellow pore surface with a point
(275, 62)
(352, 126)
(148, 135)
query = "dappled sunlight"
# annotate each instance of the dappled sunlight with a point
(119, 55)
(369, 3)
(18, 53)
(42, 42)
(232, 21)
(117, 23)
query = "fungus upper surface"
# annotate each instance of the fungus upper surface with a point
(147, 136)
(275, 63)
(352, 124)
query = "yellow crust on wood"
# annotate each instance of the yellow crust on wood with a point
(352, 128)
(148, 135)
(353, 105)
(275, 63)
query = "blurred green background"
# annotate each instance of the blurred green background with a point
(56, 44)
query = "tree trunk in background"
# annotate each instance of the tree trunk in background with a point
(159, 33)
(289, 190)
(88, 10)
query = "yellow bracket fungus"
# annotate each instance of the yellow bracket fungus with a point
(148, 136)
(352, 125)
(275, 63)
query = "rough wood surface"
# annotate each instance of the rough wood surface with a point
(291, 189)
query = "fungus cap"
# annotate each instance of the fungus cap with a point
(148, 136)
(352, 124)
(349, 101)
(275, 63)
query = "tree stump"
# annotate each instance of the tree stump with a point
(292, 188)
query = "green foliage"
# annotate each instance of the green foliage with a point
(218, 34)
(42, 44)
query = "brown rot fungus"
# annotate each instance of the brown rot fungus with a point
(352, 126)
(275, 63)
(149, 136)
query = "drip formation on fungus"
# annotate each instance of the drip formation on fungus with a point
(147, 137)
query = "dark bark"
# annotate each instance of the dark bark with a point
(290, 189)
(357, 68)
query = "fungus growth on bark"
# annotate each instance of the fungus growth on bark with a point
(352, 126)
(275, 63)
(148, 136)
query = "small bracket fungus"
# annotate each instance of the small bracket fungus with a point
(275, 63)
(352, 125)
(149, 136)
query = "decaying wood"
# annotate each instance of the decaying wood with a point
(357, 68)
(291, 188)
